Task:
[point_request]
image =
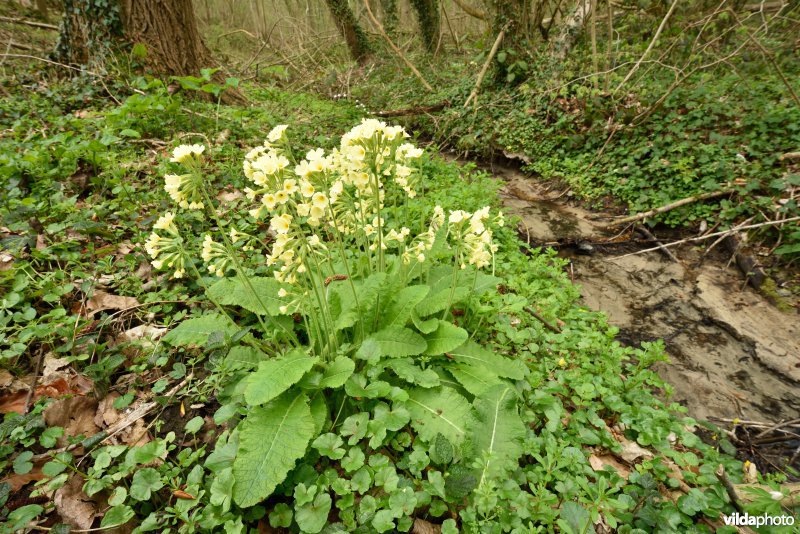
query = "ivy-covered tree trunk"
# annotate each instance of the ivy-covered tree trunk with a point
(167, 29)
(354, 36)
(429, 21)
(390, 15)
(511, 16)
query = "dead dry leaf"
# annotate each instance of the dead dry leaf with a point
(73, 505)
(147, 333)
(40, 242)
(18, 481)
(74, 414)
(424, 527)
(106, 414)
(229, 196)
(57, 387)
(51, 365)
(631, 451)
(106, 301)
(6, 261)
(599, 463)
(6, 379)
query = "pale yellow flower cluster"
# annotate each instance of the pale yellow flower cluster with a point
(424, 242)
(185, 189)
(166, 251)
(216, 256)
(474, 238)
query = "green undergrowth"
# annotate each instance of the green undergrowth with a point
(407, 388)
(724, 129)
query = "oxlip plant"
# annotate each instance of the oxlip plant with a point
(362, 367)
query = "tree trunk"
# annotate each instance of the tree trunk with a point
(354, 36)
(429, 21)
(390, 15)
(570, 30)
(511, 17)
(166, 28)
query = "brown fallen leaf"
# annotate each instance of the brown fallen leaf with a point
(6, 261)
(423, 527)
(74, 414)
(599, 463)
(6, 379)
(106, 414)
(631, 451)
(106, 301)
(15, 402)
(40, 242)
(73, 505)
(18, 481)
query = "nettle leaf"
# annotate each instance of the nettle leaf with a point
(497, 430)
(329, 445)
(406, 369)
(442, 451)
(271, 439)
(396, 342)
(437, 410)
(261, 299)
(473, 354)
(460, 482)
(399, 311)
(273, 377)
(445, 338)
(338, 372)
(195, 331)
(440, 300)
(475, 379)
(312, 517)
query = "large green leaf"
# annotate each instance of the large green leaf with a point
(337, 372)
(473, 354)
(399, 311)
(438, 410)
(261, 299)
(273, 377)
(196, 331)
(445, 338)
(396, 342)
(496, 429)
(440, 300)
(475, 379)
(407, 370)
(271, 439)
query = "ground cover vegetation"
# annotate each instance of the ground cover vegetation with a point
(289, 316)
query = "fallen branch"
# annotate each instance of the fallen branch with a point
(707, 236)
(469, 10)
(418, 110)
(729, 489)
(482, 74)
(663, 209)
(394, 47)
(754, 274)
(29, 23)
(790, 156)
(649, 235)
(550, 326)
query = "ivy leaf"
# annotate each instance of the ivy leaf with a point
(396, 342)
(312, 517)
(473, 354)
(399, 311)
(329, 445)
(145, 482)
(439, 410)
(22, 464)
(273, 377)
(337, 372)
(355, 426)
(406, 369)
(445, 338)
(497, 430)
(117, 515)
(23, 515)
(271, 439)
(262, 299)
(403, 502)
(195, 331)
(280, 516)
(383, 520)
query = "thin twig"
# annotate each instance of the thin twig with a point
(29, 23)
(707, 236)
(32, 387)
(394, 47)
(550, 326)
(729, 489)
(776, 426)
(482, 74)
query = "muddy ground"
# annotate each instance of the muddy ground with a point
(733, 353)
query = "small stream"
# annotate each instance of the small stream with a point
(733, 354)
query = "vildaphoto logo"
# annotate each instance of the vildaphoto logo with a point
(747, 520)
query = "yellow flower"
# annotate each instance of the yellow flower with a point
(281, 224)
(320, 200)
(306, 189)
(281, 197)
(184, 153)
(276, 133)
(562, 362)
(316, 212)
(269, 200)
(290, 186)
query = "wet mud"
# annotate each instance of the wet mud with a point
(732, 353)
